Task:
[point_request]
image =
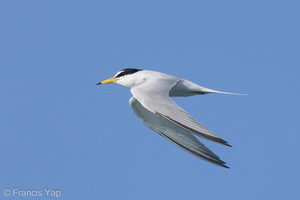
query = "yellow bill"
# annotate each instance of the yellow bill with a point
(110, 80)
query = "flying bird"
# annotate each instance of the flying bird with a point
(151, 102)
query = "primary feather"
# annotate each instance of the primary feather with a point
(181, 137)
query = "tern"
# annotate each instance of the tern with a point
(151, 102)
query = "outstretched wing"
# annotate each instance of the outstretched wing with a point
(176, 134)
(153, 94)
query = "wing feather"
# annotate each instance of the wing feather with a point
(177, 135)
(153, 94)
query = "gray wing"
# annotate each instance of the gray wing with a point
(179, 136)
(153, 94)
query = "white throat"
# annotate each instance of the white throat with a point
(131, 80)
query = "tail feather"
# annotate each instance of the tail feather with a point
(206, 91)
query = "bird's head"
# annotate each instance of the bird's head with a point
(128, 77)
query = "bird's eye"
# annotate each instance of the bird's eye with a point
(120, 74)
(127, 71)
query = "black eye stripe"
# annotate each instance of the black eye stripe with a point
(126, 72)
(120, 74)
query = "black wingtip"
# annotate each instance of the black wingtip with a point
(99, 83)
(228, 145)
(225, 166)
(222, 164)
(221, 141)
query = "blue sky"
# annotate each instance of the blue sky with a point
(60, 131)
